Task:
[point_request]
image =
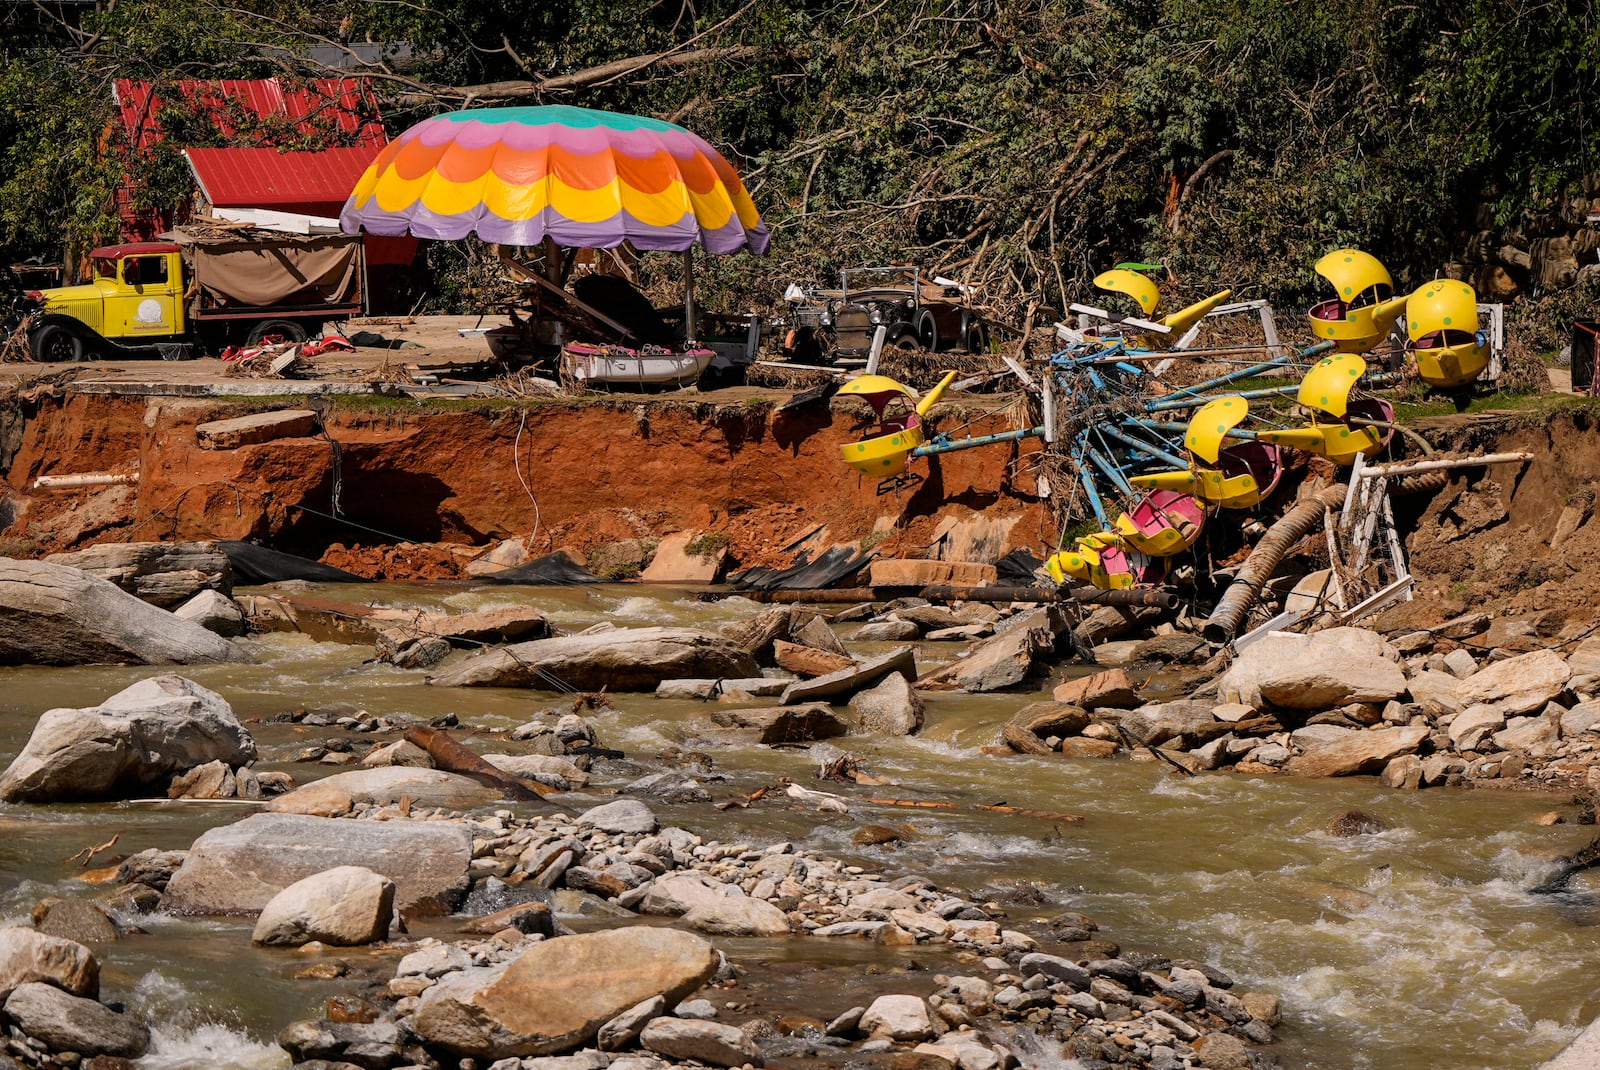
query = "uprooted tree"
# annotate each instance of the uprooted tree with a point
(1019, 145)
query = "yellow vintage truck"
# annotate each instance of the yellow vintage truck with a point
(196, 292)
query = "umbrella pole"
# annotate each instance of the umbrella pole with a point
(688, 296)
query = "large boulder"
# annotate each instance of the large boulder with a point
(738, 915)
(385, 786)
(137, 738)
(1518, 684)
(557, 994)
(238, 868)
(64, 1022)
(618, 659)
(1333, 668)
(346, 905)
(215, 612)
(1005, 660)
(27, 956)
(891, 708)
(161, 573)
(55, 615)
(1344, 751)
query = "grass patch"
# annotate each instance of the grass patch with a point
(708, 544)
(1437, 405)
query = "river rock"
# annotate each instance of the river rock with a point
(1003, 661)
(1438, 693)
(804, 723)
(1110, 689)
(756, 635)
(1472, 725)
(1355, 751)
(1402, 772)
(55, 615)
(64, 1022)
(629, 816)
(162, 573)
(215, 612)
(346, 906)
(1517, 684)
(1187, 722)
(619, 659)
(28, 956)
(150, 867)
(505, 625)
(898, 1017)
(1580, 719)
(816, 634)
(366, 1046)
(890, 708)
(547, 769)
(738, 915)
(680, 891)
(238, 868)
(1535, 736)
(74, 919)
(385, 786)
(214, 780)
(557, 994)
(133, 740)
(704, 1042)
(887, 631)
(623, 1030)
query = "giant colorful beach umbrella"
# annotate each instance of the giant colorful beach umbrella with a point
(583, 178)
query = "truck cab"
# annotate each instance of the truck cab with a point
(136, 292)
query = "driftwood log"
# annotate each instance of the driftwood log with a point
(452, 757)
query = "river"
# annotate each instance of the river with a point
(1413, 949)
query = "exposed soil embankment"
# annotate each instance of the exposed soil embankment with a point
(1514, 539)
(382, 473)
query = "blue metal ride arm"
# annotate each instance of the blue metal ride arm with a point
(941, 444)
(1113, 473)
(1139, 444)
(1242, 373)
(1086, 478)
(1179, 404)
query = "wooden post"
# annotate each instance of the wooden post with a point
(688, 296)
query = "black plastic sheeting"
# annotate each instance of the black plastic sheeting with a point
(1018, 567)
(551, 570)
(834, 565)
(254, 564)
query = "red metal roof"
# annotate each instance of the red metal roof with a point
(345, 104)
(267, 178)
(140, 248)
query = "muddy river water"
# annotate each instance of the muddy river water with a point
(1414, 949)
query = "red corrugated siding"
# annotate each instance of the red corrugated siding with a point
(348, 102)
(267, 178)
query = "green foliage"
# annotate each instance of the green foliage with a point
(1020, 144)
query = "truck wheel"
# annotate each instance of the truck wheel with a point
(55, 344)
(275, 330)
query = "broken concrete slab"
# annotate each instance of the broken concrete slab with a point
(900, 572)
(257, 427)
(687, 557)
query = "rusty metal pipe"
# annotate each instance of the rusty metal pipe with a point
(948, 593)
(1301, 520)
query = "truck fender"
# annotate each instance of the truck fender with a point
(95, 345)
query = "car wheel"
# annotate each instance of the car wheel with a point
(275, 331)
(907, 343)
(928, 331)
(55, 344)
(977, 336)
